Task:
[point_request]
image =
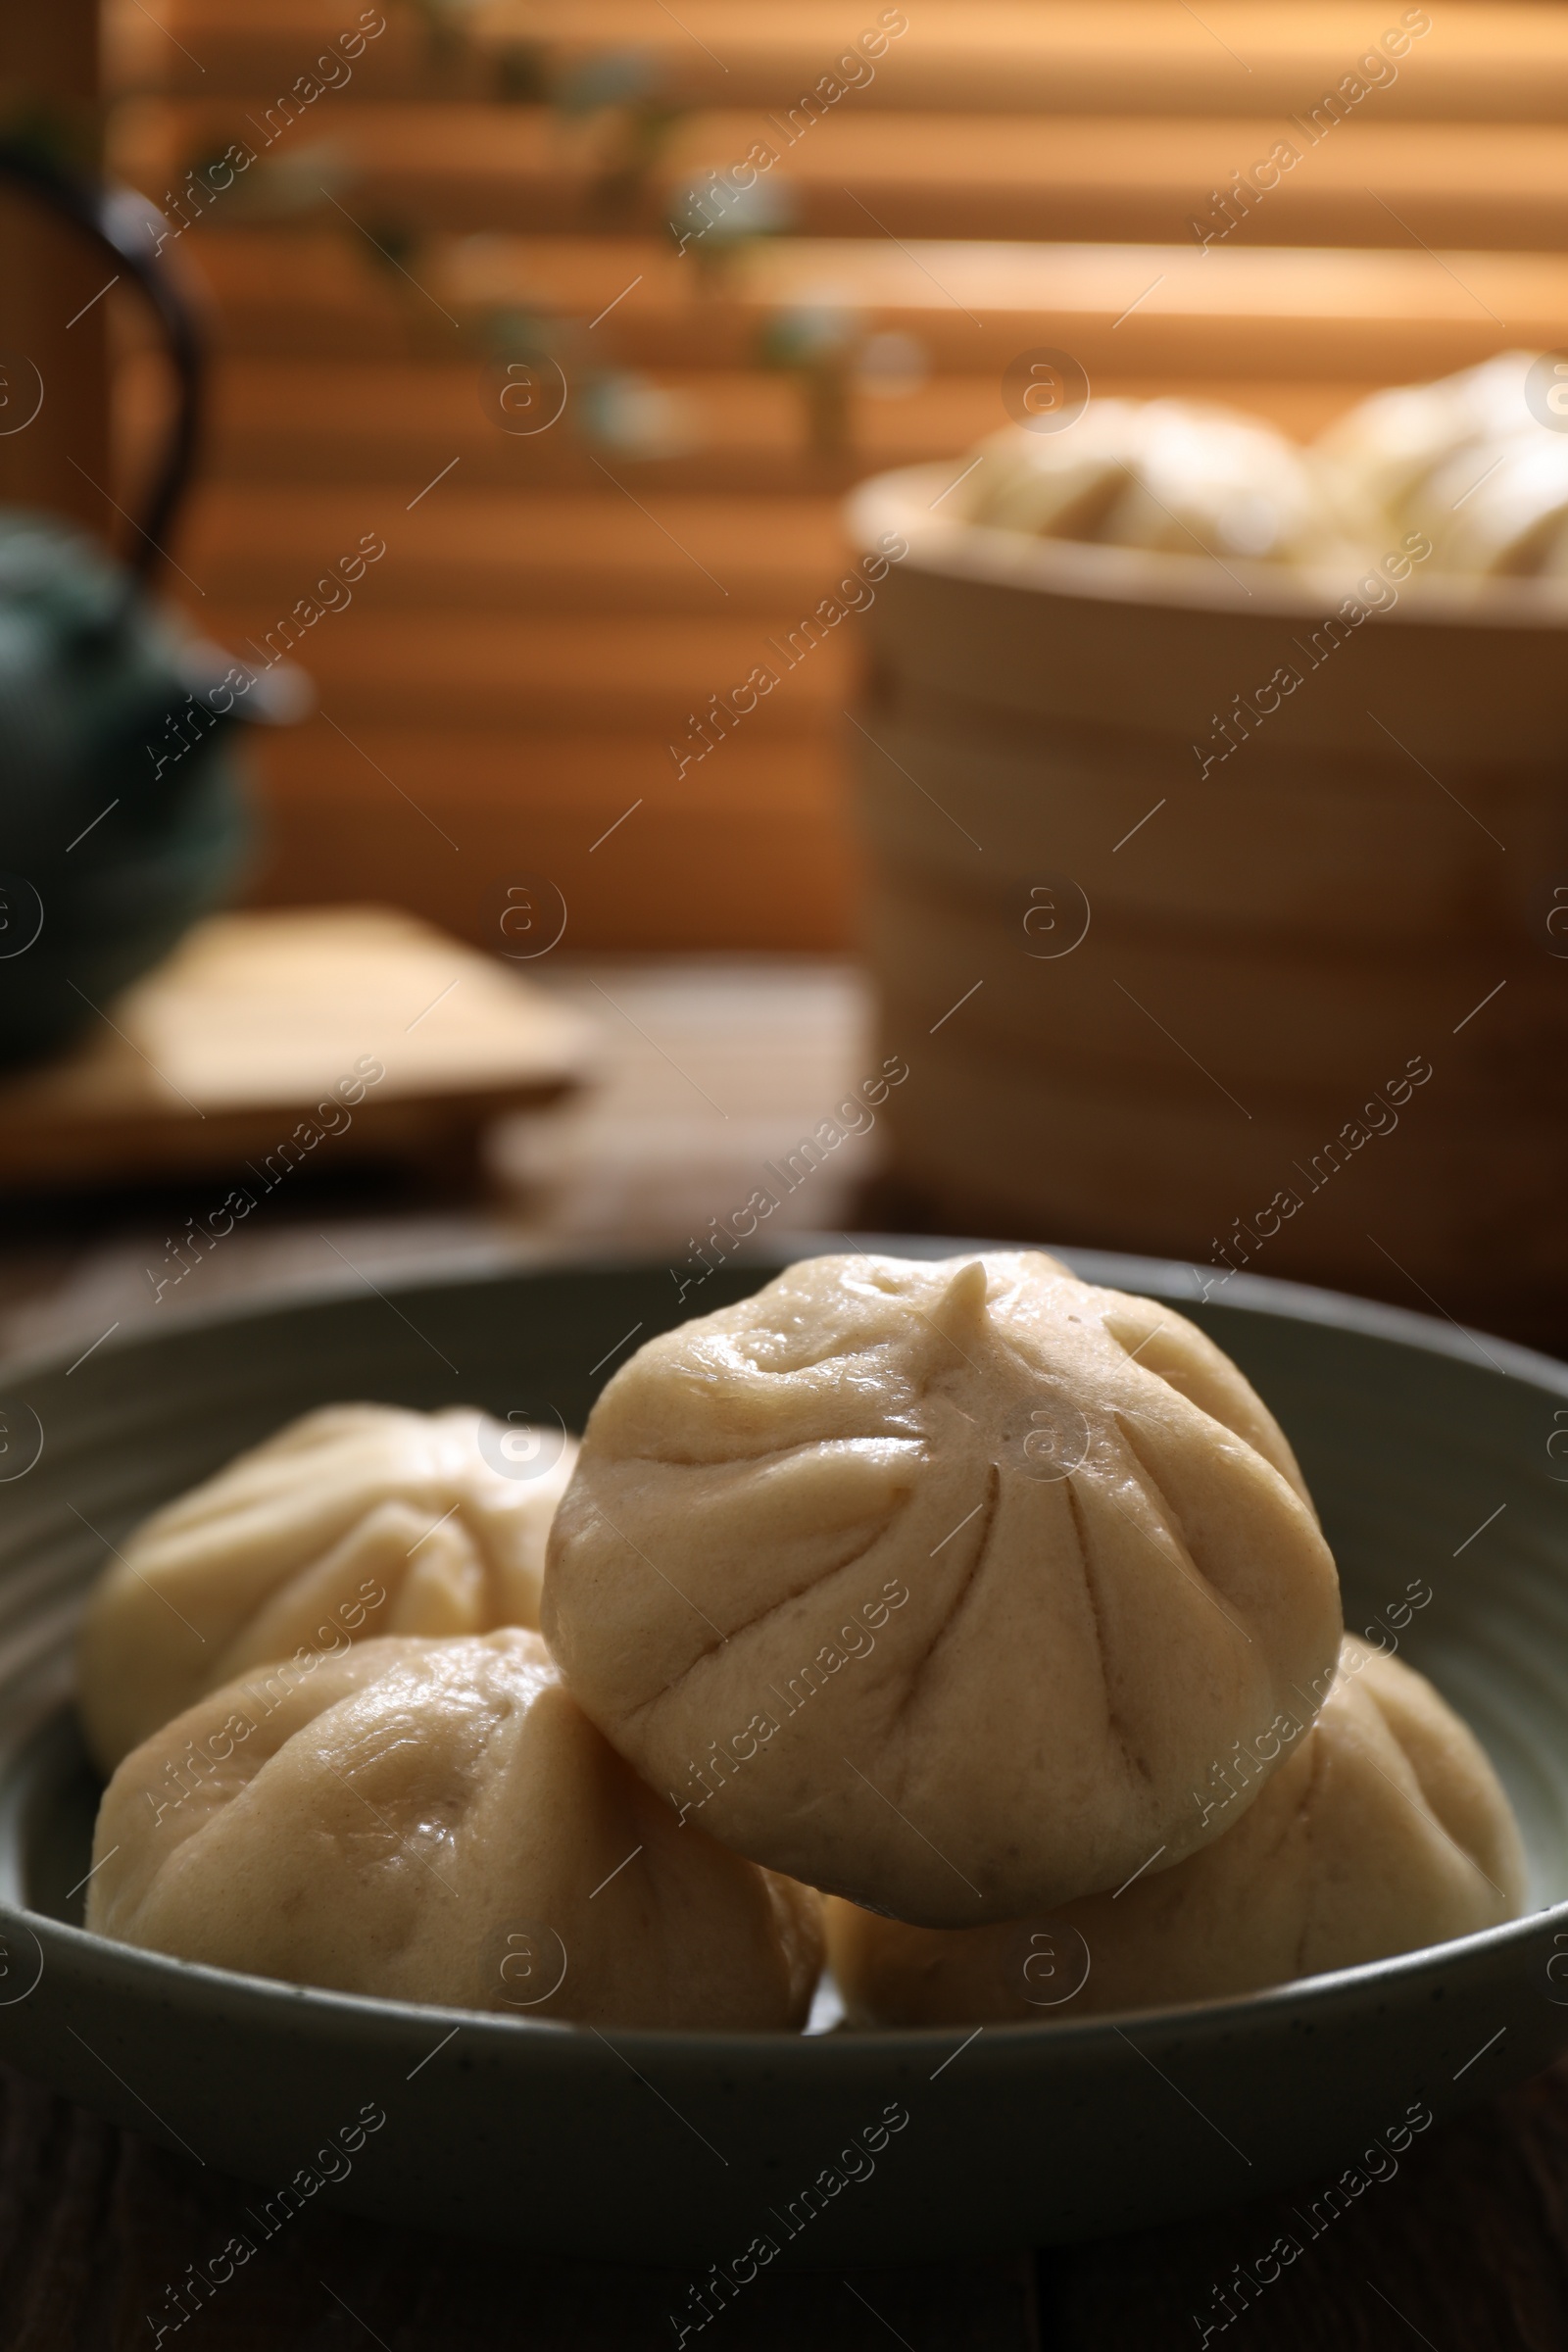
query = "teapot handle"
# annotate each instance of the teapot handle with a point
(126, 226)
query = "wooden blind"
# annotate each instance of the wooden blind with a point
(52, 340)
(437, 193)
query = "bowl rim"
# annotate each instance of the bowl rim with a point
(216, 1990)
(1320, 1996)
(1263, 1294)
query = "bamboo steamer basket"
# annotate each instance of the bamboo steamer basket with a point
(1143, 996)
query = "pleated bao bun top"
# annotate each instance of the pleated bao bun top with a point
(938, 1585)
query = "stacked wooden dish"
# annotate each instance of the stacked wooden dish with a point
(1185, 958)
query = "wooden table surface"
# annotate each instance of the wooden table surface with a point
(1464, 2250)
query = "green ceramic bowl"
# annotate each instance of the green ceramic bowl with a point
(1432, 1454)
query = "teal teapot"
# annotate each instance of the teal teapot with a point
(123, 814)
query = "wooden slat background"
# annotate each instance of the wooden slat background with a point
(1019, 173)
